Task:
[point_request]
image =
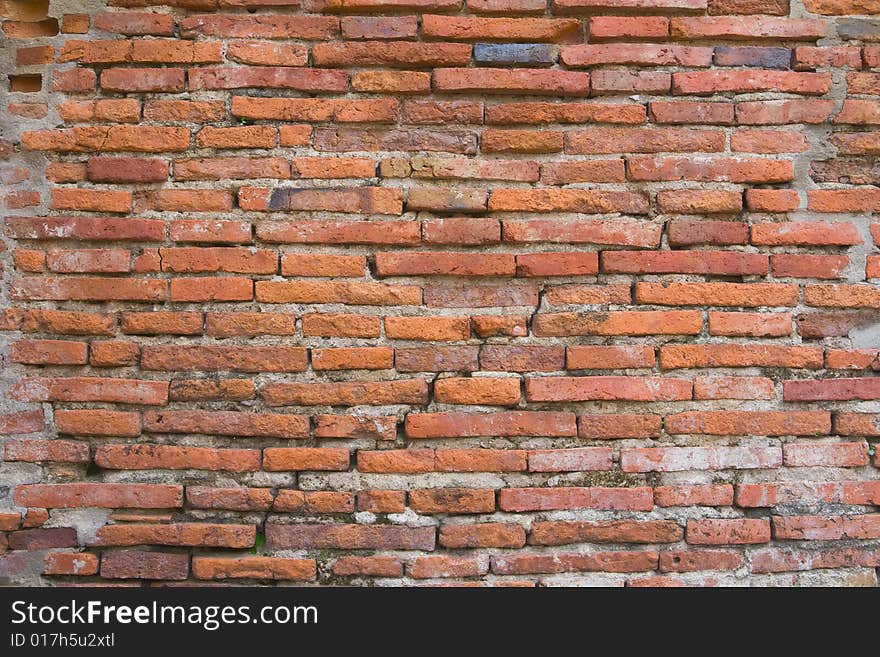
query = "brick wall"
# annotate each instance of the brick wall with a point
(421, 291)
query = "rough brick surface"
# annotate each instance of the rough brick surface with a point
(490, 292)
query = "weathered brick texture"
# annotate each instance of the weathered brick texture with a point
(385, 292)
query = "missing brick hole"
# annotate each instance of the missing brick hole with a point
(25, 83)
(30, 29)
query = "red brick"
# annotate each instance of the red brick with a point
(733, 387)
(808, 233)
(628, 27)
(717, 294)
(809, 266)
(71, 563)
(399, 53)
(277, 568)
(425, 112)
(405, 391)
(396, 460)
(368, 566)
(772, 560)
(113, 353)
(619, 232)
(768, 141)
(843, 455)
(36, 451)
(618, 323)
(772, 494)
(332, 232)
(691, 112)
(482, 535)
(523, 81)
(207, 389)
(730, 355)
(761, 423)
(434, 329)
(616, 388)
(609, 531)
(557, 264)
(512, 423)
(452, 500)
(126, 169)
(147, 139)
(447, 566)
(235, 499)
(608, 357)
(349, 537)
(543, 113)
(619, 426)
(221, 358)
(89, 289)
(397, 82)
(137, 564)
(521, 141)
(95, 422)
(342, 426)
(513, 229)
(727, 263)
(480, 296)
(369, 27)
(562, 173)
(227, 423)
(184, 534)
(352, 358)
(728, 531)
(314, 502)
(699, 202)
(341, 325)
(478, 391)
(653, 55)
(856, 424)
(678, 459)
(42, 539)
(681, 561)
(734, 170)
(621, 81)
(570, 460)
(618, 561)
(113, 496)
(694, 495)
(510, 358)
(305, 458)
(436, 359)
(469, 28)
(442, 264)
(381, 501)
(238, 77)
(822, 528)
(479, 460)
(142, 80)
(586, 201)
(91, 389)
(132, 23)
(168, 457)
(89, 228)
(249, 324)
(455, 230)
